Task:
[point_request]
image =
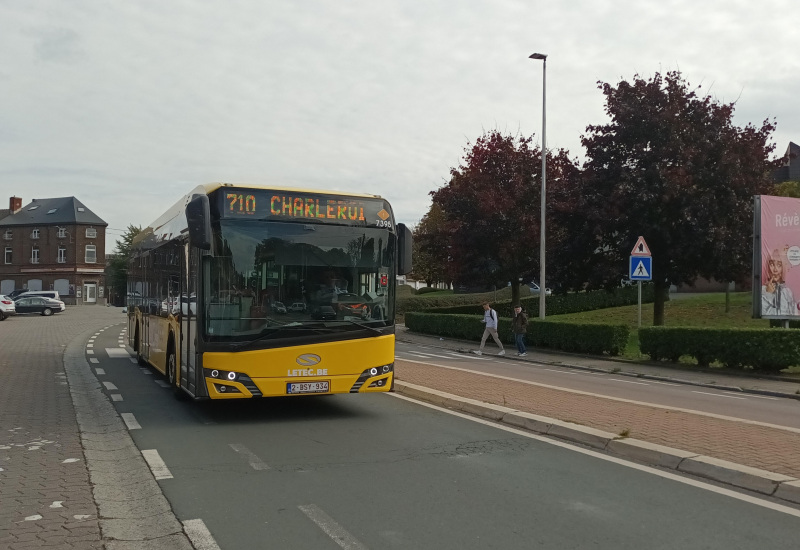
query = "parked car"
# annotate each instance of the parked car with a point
(278, 307)
(52, 294)
(7, 307)
(14, 293)
(298, 307)
(323, 313)
(38, 304)
(536, 290)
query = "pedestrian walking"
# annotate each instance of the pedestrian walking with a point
(490, 318)
(520, 326)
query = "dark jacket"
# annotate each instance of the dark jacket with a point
(520, 323)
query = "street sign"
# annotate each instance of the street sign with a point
(641, 268)
(640, 248)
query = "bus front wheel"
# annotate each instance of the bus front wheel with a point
(172, 374)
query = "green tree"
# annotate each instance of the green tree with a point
(671, 166)
(118, 264)
(492, 212)
(788, 189)
(430, 250)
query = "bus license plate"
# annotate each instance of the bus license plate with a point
(307, 387)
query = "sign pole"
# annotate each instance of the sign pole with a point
(639, 284)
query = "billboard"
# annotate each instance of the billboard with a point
(776, 257)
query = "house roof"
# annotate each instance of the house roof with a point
(63, 210)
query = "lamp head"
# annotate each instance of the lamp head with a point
(541, 56)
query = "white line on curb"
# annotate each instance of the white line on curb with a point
(157, 466)
(199, 534)
(130, 421)
(718, 395)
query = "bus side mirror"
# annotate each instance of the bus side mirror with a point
(198, 217)
(403, 249)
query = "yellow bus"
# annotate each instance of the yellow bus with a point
(241, 291)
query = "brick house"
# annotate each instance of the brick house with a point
(53, 244)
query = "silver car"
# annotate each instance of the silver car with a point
(7, 307)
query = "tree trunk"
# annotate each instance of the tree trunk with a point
(514, 292)
(661, 290)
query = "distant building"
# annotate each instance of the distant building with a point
(53, 244)
(790, 171)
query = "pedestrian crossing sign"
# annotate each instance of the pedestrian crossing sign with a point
(641, 268)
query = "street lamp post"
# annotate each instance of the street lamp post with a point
(542, 287)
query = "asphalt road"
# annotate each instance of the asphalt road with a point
(776, 411)
(381, 471)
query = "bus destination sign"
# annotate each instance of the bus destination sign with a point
(277, 206)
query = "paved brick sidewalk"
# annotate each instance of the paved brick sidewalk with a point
(760, 447)
(45, 496)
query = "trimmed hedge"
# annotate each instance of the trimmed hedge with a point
(573, 337)
(560, 304)
(761, 349)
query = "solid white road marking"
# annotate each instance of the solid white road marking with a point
(110, 386)
(561, 371)
(629, 381)
(620, 399)
(255, 462)
(668, 475)
(336, 532)
(157, 466)
(199, 534)
(718, 395)
(465, 356)
(130, 421)
(751, 395)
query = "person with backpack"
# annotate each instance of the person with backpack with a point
(490, 318)
(520, 326)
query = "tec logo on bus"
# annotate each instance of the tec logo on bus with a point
(307, 360)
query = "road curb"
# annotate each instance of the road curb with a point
(133, 510)
(768, 483)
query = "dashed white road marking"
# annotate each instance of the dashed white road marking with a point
(89, 352)
(133, 360)
(117, 353)
(255, 462)
(116, 397)
(145, 371)
(561, 371)
(157, 466)
(57, 504)
(199, 534)
(94, 360)
(90, 345)
(465, 356)
(754, 396)
(161, 383)
(336, 532)
(130, 421)
(110, 386)
(100, 372)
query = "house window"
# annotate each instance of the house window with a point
(91, 232)
(91, 254)
(62, 232)
(8, 234)
(35, 234)
(62, 254)
(8, 254)
(35, 255)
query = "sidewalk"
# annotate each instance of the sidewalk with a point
(755, 457)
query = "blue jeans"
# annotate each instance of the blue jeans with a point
(520, 340)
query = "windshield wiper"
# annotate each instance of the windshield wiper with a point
(362, 325)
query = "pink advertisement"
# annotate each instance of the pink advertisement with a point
(780, 257)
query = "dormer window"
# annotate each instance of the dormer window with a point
(52, 211)
(33, 208)
(91, 232)
(8, 234)
(35, 233)
(62, 232)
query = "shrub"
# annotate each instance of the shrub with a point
(574, 337)
(760, 349)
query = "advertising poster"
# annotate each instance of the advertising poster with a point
(779, 258)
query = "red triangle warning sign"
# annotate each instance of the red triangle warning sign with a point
(640, 249)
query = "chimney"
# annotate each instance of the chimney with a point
(15, 204)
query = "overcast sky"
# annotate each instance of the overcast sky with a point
(129, 105)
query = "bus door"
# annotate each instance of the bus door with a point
(189, 308)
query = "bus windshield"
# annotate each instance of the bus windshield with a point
(300, 278)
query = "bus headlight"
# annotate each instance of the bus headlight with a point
(373, 371)
(231, 375)
(214, 373)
